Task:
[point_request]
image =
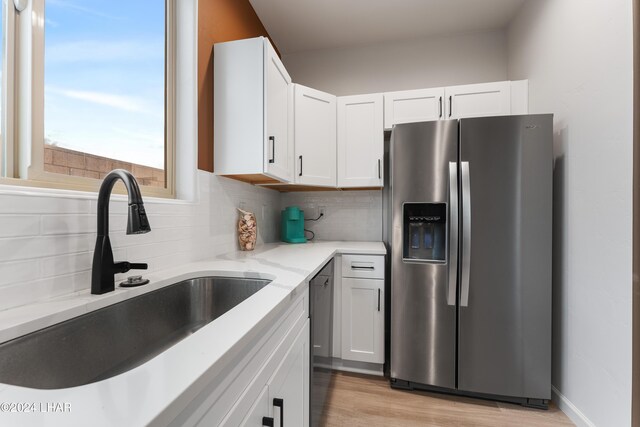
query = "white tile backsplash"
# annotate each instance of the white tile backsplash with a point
(47, 238)
(349, 215)
(69, 224)
(19, 225)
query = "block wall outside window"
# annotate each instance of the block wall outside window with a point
(76, 163)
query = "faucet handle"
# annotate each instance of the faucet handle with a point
(124, 266)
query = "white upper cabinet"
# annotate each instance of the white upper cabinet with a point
(315, 137)
(360, 141)
(252, 111)
(408, 106)
(278, 110)
(478, 100)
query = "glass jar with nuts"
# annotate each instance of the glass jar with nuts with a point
(247, 230)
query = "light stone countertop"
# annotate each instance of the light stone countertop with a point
(158, 390)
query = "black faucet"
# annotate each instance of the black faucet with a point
(104, 268)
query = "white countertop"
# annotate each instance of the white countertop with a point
(159, 389)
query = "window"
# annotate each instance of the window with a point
(101, 93)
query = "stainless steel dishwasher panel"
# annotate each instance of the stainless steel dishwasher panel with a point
(321, 313)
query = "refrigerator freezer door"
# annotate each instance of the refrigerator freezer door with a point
(423, 325)
(504, 341)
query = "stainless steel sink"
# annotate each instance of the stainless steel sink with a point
(115, 339)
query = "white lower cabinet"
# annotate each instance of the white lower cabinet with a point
(363, 320)
(274, 364)
(283, 386)
(288, 387)
(260, 407)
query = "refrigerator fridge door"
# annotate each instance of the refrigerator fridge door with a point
(504, 337)
(424, 204)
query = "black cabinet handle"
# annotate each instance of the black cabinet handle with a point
(279, 403)
(272, 140)
(267, 422)
(450, 106)
(362, 267)
(300, 174)
(379, 169)
(440, 107)
(378, 299)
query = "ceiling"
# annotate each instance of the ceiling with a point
(301, 25)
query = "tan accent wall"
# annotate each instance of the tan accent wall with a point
(218, 21)
(635, 393)
(76, 163)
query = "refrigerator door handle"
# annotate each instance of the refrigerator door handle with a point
(453, 232)
(466, 235)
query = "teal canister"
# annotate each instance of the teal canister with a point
(292, 225)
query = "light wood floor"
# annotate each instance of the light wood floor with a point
(359, 400)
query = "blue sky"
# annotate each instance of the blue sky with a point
(104, 78)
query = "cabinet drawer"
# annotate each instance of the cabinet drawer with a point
(363, 266)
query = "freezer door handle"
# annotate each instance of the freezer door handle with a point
(453, 232)
(466, 235)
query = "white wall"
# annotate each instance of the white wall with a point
(577, 56)
(431, 62)
(47, 238)
(349, 215)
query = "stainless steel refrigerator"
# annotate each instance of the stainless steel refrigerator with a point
(471, 211)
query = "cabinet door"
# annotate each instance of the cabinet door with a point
(360, 141)
(289, 385)
(315, 137)
(278, 147)
(363, 320)
(257, 412)
(410, 106)
(485, 99)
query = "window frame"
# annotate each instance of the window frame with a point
(24, 124)
(7, 152)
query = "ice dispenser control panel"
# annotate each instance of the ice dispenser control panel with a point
(425, 232)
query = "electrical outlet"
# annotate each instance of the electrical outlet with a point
(322, 210)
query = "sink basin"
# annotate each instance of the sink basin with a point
(115, 339)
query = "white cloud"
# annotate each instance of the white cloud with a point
(121, 102)
(65, 4)
(105, 51)
(51, 23)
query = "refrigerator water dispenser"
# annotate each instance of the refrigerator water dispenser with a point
(425, 232)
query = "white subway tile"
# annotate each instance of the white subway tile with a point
(19, 271)
(38, 247)
(42, 204)
(19, 225)
(43, 289)
(66, 264)
(68, 224)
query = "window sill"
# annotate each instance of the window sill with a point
(34, 188)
